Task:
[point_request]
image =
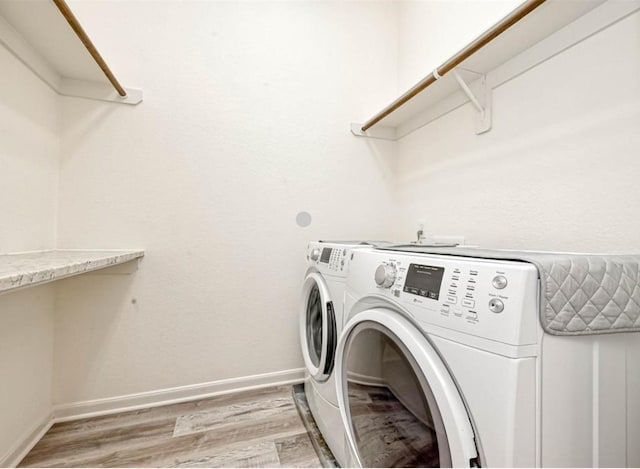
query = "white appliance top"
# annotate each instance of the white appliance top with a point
(581, 294)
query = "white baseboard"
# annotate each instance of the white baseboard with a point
(93, 408)
(26, 442)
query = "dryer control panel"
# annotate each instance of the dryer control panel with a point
(330, 258)
(497, 300)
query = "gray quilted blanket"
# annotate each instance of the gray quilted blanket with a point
(580, 293)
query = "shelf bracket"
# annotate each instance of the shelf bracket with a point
(379, 132)
(481, 98)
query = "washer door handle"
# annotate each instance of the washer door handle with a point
(332, 339)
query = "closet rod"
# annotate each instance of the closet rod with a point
(508, 21)
(82, 35)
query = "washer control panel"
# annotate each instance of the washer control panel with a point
(488, 298)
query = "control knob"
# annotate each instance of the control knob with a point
(499, 282)
(496, 306)
(315, 254)
(385, 275)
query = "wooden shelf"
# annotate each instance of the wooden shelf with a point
(20, 270)
(38, 34)
(544, 32)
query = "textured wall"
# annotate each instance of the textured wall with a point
(245, 123)
(558, 171)
(28, 186)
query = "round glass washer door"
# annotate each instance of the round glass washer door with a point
(317, 328)
(399, 405)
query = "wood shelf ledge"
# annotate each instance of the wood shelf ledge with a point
(49, 40)
(26, 269)
(500, 54)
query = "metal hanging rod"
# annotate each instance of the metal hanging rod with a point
(515, 16)
(82, 35)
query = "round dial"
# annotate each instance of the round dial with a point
(385, 275)
(499, 282)
(496, 306)
(315, 254)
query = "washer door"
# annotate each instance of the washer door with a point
(399, 405)
(317, 328)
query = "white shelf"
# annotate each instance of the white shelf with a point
(551, 28)
(20, 270)
(38, 34)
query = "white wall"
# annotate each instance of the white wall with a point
(29, 144)
(244, 124)
(28, 186)
(558, 171)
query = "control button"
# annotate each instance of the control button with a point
(315, 254)
(445, 308)
(386, 275)
(496, 306)
(472, 315)
(452, 299)
(499, 282)
(468, 303)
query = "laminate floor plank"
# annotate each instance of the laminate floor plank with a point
(297, 451)
(258, 428)
(263, 454)
(97, 443)
(152, 414)
(169, 450)
(237, 412)
(196, 445)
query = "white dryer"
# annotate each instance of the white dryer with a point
(321, 322)
(442, 362)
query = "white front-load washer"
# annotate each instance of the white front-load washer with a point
(321, 322)
(442, 362)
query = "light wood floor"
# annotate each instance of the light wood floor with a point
(258, 428)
